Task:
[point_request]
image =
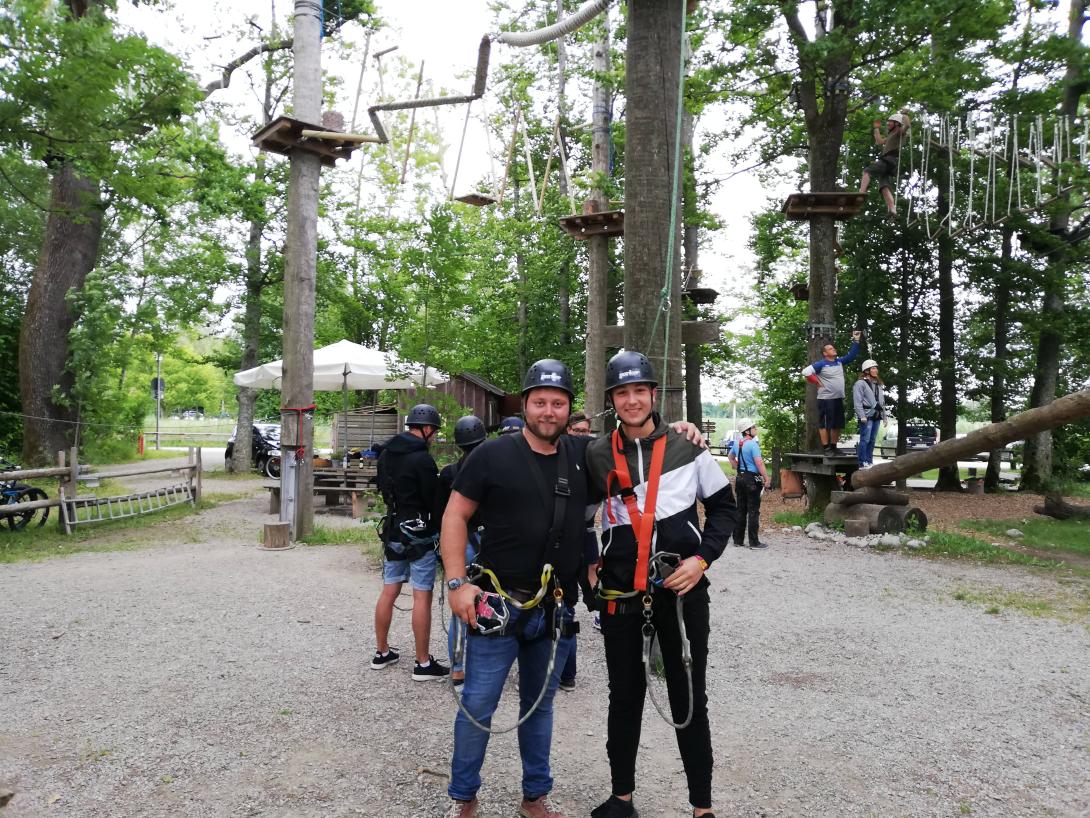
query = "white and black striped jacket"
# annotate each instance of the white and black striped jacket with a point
(689, 473)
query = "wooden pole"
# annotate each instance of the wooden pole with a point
(652, 72)
(598, 246)
(300, 263)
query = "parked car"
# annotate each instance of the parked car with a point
(265, 451)
(920, 436)
(192, 414)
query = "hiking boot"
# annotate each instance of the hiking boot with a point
(431, 672)
(758, 545)
(597, 623)
(384, 660)
(461, 809)
(567, 685)
(615, 807)
(541, 807)
(739, 545)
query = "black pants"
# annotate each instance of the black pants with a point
(623, 638)
(748, 494)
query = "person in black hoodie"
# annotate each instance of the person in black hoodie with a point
(408, 479)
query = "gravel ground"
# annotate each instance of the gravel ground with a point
(201, 676)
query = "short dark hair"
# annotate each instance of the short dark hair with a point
(576, 417)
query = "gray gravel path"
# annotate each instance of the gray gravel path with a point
(201, 676)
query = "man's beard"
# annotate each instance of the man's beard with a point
(539, 432)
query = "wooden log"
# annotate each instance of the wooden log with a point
(359, 505)
(875, 494)
(837, 513)
(277, 535)
(889, 519)
(995, 436)
(1055, 506)
(274, 499)
(856, 528)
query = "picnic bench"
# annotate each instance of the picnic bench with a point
(339, 486)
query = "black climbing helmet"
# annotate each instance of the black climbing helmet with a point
(629, 366)
(511, 424)
(423, 414)
(469, 431)
(548, 372)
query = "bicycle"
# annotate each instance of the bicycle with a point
(12, 492)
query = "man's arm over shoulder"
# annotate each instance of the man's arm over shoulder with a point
(720, 513)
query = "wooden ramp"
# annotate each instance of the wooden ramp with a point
(841, 205)
(583, 226)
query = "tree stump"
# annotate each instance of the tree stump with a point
(838, 513)
(277, 536)
(1055, 506)
(890, 519)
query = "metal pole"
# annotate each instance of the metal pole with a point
(158, 394)
(344, 405)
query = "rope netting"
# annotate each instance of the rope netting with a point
(995, 167)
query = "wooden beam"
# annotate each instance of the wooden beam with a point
(692, 332)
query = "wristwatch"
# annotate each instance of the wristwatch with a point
(457, 582)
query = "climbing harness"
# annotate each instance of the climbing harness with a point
(652, 569)
(460, 656)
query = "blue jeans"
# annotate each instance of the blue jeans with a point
(456, 624)
(488, 660)
(868, 435)
(421, 571)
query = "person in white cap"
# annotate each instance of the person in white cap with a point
(869, 399)
(884, 168)
(745, 457)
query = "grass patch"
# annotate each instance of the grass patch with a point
(1045, 533)
(1066, 607)
(362, 534)
(800, 518)
(32, 544)
(963, 546)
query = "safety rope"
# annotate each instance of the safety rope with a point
(667, 284)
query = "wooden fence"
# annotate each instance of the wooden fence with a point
(77, 509)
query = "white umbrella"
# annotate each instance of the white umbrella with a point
(346, 365)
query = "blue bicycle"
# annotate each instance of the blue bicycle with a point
(14, 493)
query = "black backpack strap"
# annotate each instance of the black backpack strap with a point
(555, 499)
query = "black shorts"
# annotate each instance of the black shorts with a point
(830, 413)
(883, 170)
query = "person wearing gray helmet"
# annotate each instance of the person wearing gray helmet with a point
(408, 480)
(869, 401)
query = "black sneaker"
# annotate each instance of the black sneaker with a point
(758, 545)
(615, 808)
(567, 685)
(431, 672)
(740, 545)
(381, 660)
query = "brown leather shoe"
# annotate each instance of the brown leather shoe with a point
(542, 807)
(461, 809)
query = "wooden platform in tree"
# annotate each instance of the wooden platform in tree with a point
(284, 134)
(476, 199)
(585, 225)
(838, 205)
(700, 295)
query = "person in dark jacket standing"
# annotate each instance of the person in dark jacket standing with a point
(654, 556)
(469, 433)
(409, 479)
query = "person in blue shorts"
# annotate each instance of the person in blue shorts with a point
(828, 375)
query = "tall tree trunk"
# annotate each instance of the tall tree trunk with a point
(523, 282)
(949, 475)
(598, 246)
(694, 354)
(70, 248)
(300, 269)
(1000, 327)
(904, 327)
(1037, 470)
(251, 339)
(564, 294)
(652, 72)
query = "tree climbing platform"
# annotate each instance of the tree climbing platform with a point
(839, 205)
(284, 135)
(476, 199)
(585, 225)
(700, 295)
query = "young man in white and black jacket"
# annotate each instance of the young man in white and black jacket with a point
(656, 461)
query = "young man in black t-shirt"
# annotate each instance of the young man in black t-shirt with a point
(511, 484)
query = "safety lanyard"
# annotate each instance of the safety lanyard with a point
(643, 523)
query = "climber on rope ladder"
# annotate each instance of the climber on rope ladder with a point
(884, 169)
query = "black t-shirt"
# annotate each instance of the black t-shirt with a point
(515, 515)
